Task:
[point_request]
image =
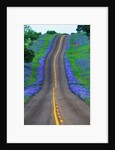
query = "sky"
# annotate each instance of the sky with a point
(58, 28)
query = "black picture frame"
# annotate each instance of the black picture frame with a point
(3, 28)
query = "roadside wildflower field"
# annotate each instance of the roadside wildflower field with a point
(77, 65)
(34, 71)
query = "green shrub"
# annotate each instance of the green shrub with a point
(85, 28)
(32, 35)
(51, 32)
(28, 55)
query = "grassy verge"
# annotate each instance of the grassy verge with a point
(87, 101)
(26, 99)
(80, 53)
(79, 57)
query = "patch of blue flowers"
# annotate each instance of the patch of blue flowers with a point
(69, 72)
(80, 91)
(84, 64)
(81, 39)
(32, 89)
(27, 71)
(68, 43)
(73, 82)
(36, 46)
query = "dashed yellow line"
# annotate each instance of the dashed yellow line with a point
(54, 107)
(61, 121)
(58, 119)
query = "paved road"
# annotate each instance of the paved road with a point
(55, 104)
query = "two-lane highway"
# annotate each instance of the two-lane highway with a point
(55, 103)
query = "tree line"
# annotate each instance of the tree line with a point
(84, 28)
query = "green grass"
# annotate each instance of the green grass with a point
(37, 57)
(26, 99)
(87, 101)
(28, 42)
(79, 53)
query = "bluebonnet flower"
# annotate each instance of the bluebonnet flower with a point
(27, 71)
(80, 91)
(84, 64)
(81, 39)
(69, 72)
(37, 45)
(31, 90)
(68, 43)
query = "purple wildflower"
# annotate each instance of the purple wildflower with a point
(73, 82)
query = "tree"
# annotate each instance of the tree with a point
(85, 28)
(27, 28)
(51, 32)
(28, 55)
(79, 28)
(31, 34)
(29, 37)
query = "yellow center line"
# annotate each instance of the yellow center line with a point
(55, 84)
(55, 115)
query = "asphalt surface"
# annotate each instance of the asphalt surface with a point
(39, 110)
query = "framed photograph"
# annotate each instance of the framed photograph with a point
(57, 75)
